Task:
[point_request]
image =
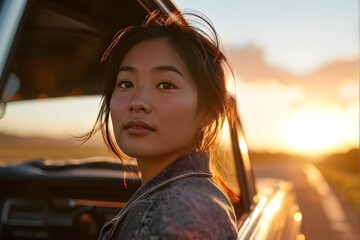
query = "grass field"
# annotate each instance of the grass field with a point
(15, 150)
(342, 172)
(347, 183)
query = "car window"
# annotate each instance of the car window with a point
(47, 129)
(55, 53)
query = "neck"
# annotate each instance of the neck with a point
(150, 167)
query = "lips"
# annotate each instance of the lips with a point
(138, 127)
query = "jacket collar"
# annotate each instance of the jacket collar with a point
(193, 164)
(196, 162)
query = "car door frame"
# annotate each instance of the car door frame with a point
(11, 19)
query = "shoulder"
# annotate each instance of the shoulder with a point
(189, 208)
(198, 193)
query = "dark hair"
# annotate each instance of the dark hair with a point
(204, 60)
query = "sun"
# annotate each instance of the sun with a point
(311, 132)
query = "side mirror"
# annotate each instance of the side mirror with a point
(11, 88)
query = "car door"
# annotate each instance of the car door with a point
(271, 212)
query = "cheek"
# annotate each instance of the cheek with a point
(117, 109)
(180, 113)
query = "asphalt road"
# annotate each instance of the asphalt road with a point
(323, 215)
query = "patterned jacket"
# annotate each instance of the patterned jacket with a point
(181, 202)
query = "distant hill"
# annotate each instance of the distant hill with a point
(18, 149)
(266, 157)
(8, 139)
(348, 161)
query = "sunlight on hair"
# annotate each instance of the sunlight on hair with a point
(231, 84)
(224, 134)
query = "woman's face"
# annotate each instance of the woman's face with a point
(154, 104)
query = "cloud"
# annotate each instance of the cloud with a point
(278, 106)
(321, 86)
(249, 63)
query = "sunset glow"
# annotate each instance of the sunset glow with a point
(310, 132)
(315, 131)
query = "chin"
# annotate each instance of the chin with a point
(138, 152)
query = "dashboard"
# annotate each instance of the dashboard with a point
(71, 201)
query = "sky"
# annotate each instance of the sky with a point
(297, 35)
(296, 66)
(297, 70)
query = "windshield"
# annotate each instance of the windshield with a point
(47, 129)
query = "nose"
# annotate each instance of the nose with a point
(138, 107)
(139, 102)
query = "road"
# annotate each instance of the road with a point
(323, 215)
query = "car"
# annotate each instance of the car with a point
(49, 55)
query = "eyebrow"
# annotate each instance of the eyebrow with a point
(158, 68)
(169, 68)
(127, 69)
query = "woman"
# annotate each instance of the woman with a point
(165, 92)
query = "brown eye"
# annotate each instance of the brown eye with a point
(166, 85)
(125, 84)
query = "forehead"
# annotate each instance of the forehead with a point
(153, 52)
